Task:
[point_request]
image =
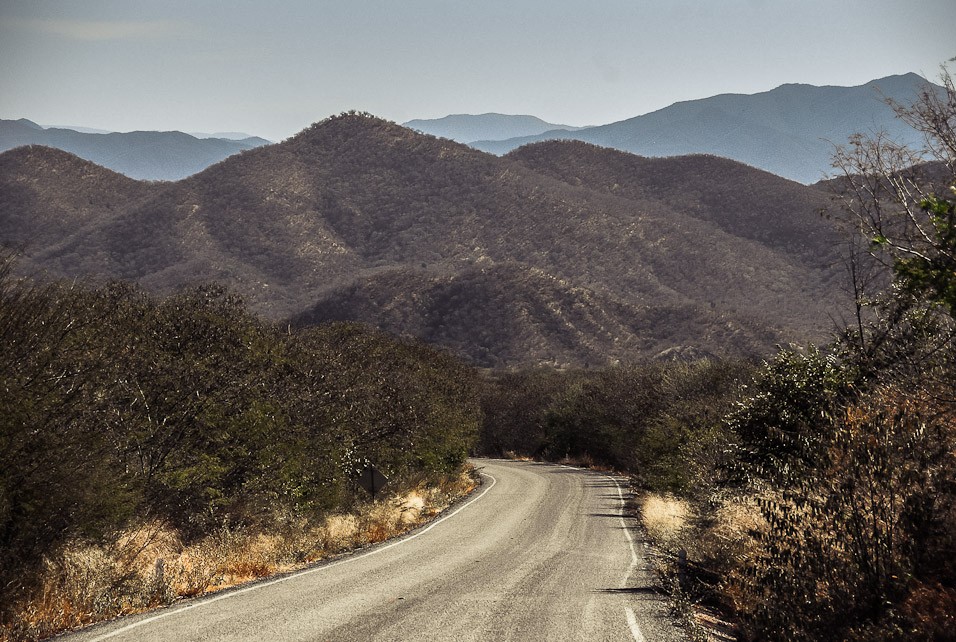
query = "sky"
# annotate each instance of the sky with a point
(273, 68)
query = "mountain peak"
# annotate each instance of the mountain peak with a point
(347, 122)
(53, 163)
(899, 82)
(28, 123)
(354, 132)
(910, 77)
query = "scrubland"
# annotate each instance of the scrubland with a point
(808, 497)
(148, 565)
(187, 430)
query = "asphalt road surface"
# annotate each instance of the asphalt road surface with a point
(539, 552)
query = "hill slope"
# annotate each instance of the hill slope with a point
(789, 131)
(498, 315)
(143, 155)
(48, 195)
(738, 199)
(509, 261)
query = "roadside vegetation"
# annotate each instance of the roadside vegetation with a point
(813, 496)
(847, 453)
(186, 430)
(661, 422)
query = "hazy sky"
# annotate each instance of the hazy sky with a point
(272, 68)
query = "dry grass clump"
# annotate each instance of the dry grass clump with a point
(727, 539)
(84, 584)
(717, 539)
(514, 456)
(337, 534)
(665, 518)
(148, 565)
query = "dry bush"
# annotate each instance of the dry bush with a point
(411, 508)
(88, 583)
(339, 532)
(724, 543)
(381, 521)
(870, 521)
(931, 610)
(138, 548)
(858, 547)
(243, 556)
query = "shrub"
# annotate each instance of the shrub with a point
(852, 537)
(117, 408)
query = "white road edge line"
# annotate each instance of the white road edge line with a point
(309, 571)
(632, 624)
(636, 632)
(627, 531)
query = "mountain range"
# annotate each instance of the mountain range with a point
(146, 155)
(467, 128)
(559, 253)
(790, 131)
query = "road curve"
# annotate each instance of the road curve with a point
(539, 552)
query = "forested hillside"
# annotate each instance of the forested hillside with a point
(313, 227)
(739, 200)
(496, 315)
(145, 155)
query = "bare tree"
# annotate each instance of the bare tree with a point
(888, 188)
(900, 200)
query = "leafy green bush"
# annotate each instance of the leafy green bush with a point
(781, 420)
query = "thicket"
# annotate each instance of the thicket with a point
(660, 421)
(118, 409)
(836, 519)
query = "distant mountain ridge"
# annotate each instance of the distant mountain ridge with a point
(562, 254)
(141, 155)
(227, 136)
(789, 131)
(466, 128)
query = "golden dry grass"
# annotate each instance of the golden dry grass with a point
(148, 566)
(665, 518)
(729, 537)
(513, 456)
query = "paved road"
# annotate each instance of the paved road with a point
(539, 552)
